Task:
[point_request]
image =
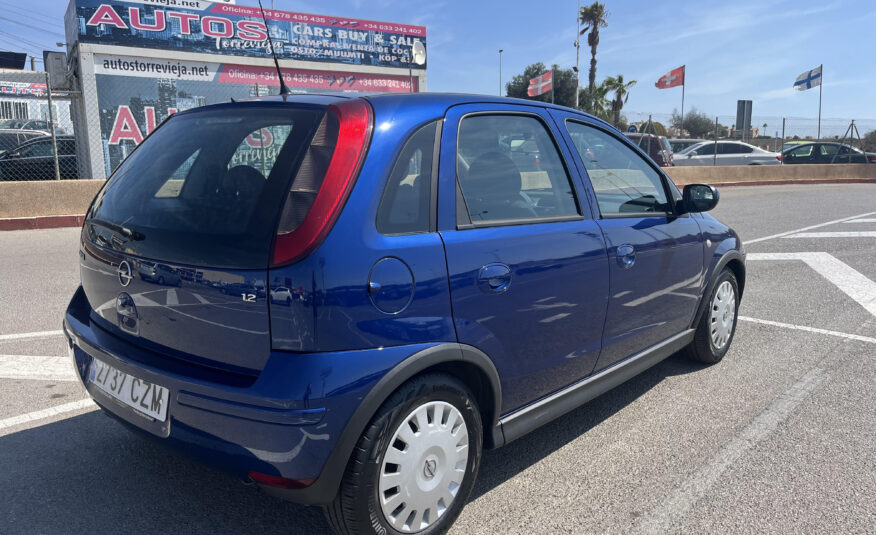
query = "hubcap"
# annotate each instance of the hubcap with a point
(423, 466)
(722, 315)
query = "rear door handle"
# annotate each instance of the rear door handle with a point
(626, 256)
(494, 278)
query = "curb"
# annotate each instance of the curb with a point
(793, 181)
(59, 221)
(42, 222)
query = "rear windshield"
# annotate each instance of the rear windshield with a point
(206, 188)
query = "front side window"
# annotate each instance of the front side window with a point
(623, 181)
(508, 168)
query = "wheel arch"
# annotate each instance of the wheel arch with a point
(468, 364)
(735, 261)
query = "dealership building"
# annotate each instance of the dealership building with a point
(133, 63)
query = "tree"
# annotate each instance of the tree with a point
(592, 18)
(621, 92)
(869, 140)
(697, 124)
(656, 128)
(565, 84)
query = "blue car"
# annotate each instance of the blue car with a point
(449, 298)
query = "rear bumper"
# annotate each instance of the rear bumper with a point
(286, 423)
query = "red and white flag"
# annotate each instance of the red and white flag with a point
(672, 78)
(541, 84)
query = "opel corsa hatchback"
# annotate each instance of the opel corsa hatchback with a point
(345, 300)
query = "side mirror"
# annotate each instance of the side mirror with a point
(699, 198)
(691, 154)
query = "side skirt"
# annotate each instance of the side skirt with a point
(531, 417)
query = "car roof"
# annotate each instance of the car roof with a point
(445, 100)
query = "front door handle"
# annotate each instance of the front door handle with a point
(494, 278)
(626, 256)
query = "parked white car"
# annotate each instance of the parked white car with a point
(729, 153)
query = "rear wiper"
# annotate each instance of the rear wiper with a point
(124, 231)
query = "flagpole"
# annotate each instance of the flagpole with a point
(553, 90)
(683, 81)
(820, 85)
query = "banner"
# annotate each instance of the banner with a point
(22, 89)
(135, 94)
(228, 29)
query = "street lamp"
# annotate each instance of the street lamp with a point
(500, 71)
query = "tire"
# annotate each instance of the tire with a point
(161, 280)
(369, 477)
(715, 331)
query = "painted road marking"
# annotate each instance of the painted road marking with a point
(201, 299)
(843, 276)
(856, 337)
(38, 334)
(864, 234)
(865, 220)
(664, 517)
(779, 235)
(36, 368)
(36, 416)
(172, 299)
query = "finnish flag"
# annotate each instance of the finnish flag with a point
(808, 79)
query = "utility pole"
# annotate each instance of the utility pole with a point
(500, 71)
(578, 55)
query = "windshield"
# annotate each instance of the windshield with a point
(206, 188)
(11, 123)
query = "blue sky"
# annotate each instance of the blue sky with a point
(733, 50)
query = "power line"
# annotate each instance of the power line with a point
(13, 21)
(30, 14)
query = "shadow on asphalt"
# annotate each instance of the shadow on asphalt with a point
(89, 474)
(498, 466)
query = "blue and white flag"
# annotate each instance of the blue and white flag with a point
(808, 79)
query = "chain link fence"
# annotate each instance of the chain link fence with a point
(37, 135)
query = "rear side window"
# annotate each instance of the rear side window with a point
(206, 188)
(509, 168)
(624, 183)
(405, 207)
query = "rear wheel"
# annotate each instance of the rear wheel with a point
(718, 324)
(415, 464)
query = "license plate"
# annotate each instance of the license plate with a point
(142, 396)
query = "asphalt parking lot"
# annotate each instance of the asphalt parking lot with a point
(779, 437)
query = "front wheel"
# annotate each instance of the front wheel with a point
(718, 324)
(415, 464)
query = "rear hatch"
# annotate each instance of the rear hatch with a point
(176, 247)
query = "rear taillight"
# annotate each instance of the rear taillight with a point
(779, 157)
(873, 158)
(323, 181)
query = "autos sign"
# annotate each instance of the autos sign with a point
(218, 28)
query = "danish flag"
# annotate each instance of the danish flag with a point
(540, 84)
(671, 79)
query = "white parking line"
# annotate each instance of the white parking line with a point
(863, 234)
(663, 518)
(38, 334)
(864, 220)
(172, 299)
(857, 337)
(846, 278)
(36, 368)
(779, 235)
(201, 299)
(33, 417)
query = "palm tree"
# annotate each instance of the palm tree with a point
(621, 91)
(592, 18)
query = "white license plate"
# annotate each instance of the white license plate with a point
(142, 396)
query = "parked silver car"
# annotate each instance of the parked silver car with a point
(728, 153)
